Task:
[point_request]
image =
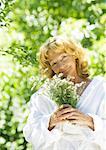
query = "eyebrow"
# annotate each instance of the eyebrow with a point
(61, 58)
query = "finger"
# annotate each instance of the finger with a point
(62, 117)
(54, 120)
(60, 112)
(76, 110)
(67, 115)
(63, 111)
(81, 120)
(70, 114)
(73, 117)
(57, 121)
(74, 121)
(65, 106)
(62, 107)
(77, 122)
(79, 115)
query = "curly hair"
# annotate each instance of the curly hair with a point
(62, 44)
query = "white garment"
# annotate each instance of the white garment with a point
(92, 102)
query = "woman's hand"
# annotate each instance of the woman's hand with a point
(57, 117)
(75, 116)
(66, 112)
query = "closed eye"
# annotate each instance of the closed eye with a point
(53, 64)
(63, 57)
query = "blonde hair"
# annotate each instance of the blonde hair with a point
(61, 44)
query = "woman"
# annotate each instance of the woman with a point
(60, 55)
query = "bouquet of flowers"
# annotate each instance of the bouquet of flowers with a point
(62, 90)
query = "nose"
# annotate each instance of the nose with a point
(59, 68)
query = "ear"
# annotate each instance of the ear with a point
(82, 68)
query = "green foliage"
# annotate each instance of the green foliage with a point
(38, 20)
(15, 91)
(25, 25)
(5, 9)
(25, 55)
(98, 58)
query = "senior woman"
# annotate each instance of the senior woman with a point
(61, 55)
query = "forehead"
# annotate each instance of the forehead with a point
(54, 54)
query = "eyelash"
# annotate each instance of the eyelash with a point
(54, 64)
(60, 60)
(63, 57)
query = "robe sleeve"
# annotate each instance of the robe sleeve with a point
(36, 129)
(100, 121)
(100, 118)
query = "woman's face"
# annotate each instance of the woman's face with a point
(63, 63)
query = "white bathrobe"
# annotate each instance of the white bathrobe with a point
(66, 136)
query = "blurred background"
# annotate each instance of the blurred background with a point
(24, 26)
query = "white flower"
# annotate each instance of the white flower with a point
(62, 90)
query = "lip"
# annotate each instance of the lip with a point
(65, 71)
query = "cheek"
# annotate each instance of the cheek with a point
(73, 70)
(55, 69)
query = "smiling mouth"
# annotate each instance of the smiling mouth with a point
(65, 72)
